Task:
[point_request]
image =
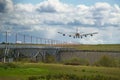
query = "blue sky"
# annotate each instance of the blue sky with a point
(74, 2)
(44, 18)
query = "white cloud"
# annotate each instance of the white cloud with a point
(103, 14)
(110, 34)
(51, 16)
(24, 7)
(117, 8)
(51, 32)
(102, 6)
(52, 6)
(6, 6)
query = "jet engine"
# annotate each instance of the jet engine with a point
(69, 35)
(63, 34)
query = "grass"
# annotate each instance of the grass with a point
(99, 47)
(24, 71)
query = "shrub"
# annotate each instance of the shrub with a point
(107, 61)
(33, 78)
(23, 60)
(50, 58)
(8, 65)
(83, 70)
(71, 77)
(76, 61)
(117, 62)
(55, 77)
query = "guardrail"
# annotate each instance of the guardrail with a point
(25, 46)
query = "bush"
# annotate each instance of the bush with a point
(107, 61)
(117, 62)
(8, 65)
(71, 77)
(50, 58)
(76, 61)
(23, 60)
(55, 77)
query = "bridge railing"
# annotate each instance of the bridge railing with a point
(23, 39)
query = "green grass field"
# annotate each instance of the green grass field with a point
(22, 71)
(99, 47)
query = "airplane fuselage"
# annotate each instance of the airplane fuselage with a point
(77, 35)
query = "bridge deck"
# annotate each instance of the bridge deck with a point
(25, 46)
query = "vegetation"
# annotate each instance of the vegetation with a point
(105, 61)
(109, 68)
(99, 47)
(41, 71)
(50, 58)
(71, 77)
(76, 61)
(108, 61)
(8, 65)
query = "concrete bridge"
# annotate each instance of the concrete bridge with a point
(33, 52)
(11, 52)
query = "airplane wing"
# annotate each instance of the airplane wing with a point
(78, 35)
(64, 34)
(91, 34)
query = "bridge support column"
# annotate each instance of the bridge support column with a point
(58, 56)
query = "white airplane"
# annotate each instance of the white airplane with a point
(77, 34)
